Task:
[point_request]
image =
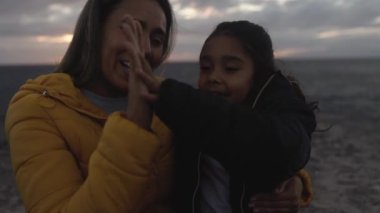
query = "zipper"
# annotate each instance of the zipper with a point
(242, 199)
(198, 179)
(262, 90)
(45, 93)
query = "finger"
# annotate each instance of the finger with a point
(276, 204)
(275, 210)
(281, 187)
(274, 197)
(149, 81)
(132, 56)
(147, 76)
(139, 34)
(288, 192)
(134, 32)
(150, 98)
(126, 26)
(269, 196)
(145, 65)
(294, 186)
(127, 61)
(129, 29)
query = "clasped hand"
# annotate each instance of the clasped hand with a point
(142, 81)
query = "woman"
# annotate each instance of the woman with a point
(72, 149)
(68, 153)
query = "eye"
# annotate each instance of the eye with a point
(157, 41)
(205, 67)
(231, 65)
(231, 69)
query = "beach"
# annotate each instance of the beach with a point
(345, 159)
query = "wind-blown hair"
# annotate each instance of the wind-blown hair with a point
(254, 40)
(257, 44)
(82, 60)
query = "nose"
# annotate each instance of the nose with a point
(215, 77)
(147, 48)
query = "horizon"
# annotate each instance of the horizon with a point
(316, 59)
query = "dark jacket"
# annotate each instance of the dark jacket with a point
(259, 147)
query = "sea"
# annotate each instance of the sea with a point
(345, 158)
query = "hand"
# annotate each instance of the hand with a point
(138, 110)
(285, 198)
(133, 43)
(141, 67)
(134, 38)
(153, 83)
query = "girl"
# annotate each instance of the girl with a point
(243, 132)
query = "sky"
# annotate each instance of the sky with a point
(39, 31)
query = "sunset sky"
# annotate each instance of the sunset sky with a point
(38, 31)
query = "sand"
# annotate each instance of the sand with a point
(345, 172)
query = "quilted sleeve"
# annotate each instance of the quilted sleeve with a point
(49, 179)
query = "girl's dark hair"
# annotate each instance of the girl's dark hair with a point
(255, 41)
(258, 45)
(296, 86)
(82, 58)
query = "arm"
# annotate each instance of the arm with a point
(307, 188)
(274, 140)
(138, 110)
(47, 173)
(289, 196)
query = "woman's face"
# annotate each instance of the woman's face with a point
(153, 21)
(225, 69)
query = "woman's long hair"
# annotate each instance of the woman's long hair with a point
(82, 60)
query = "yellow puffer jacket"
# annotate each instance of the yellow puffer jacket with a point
(70, 156)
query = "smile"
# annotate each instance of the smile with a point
(219, 93)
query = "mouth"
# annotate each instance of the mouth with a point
(217, 93)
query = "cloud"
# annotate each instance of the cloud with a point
(36, 31)
(291, 52)
(38, 17)
(244, 8)
(352, 32)
(299, 28)
(377, 20)
(65, 39)
(304, 28)
(191, 13)
(27, 50)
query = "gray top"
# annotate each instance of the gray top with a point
(214, 187)
(107, 104)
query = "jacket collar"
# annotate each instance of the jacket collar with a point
(60, 86)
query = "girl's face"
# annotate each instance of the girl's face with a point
(153, 22)
(225, 69)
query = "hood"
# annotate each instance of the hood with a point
(258, 88)
(60, 87)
